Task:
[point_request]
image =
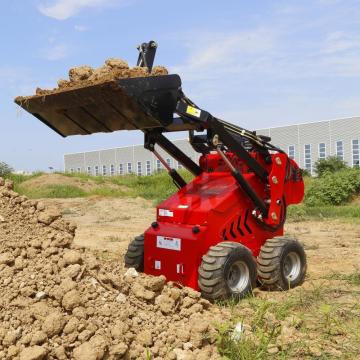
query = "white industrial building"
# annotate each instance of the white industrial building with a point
(306, 143)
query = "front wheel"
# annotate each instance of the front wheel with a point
(227, 270)
(281, 264)
(134, 256)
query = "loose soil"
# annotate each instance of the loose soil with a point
(113, 69)
(106, 223)
(58, 301)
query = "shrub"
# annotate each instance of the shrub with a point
(305, 172)
(5, 169)
(331, 164)
(333, 188)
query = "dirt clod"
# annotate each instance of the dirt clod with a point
(113, 69)
(33, 353)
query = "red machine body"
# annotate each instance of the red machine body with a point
(213, 208)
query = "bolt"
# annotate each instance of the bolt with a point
(274, 180)
(195, 229)
(216, 140)
(278, 161)
(154, 225)
(273, 216)
(278, 202)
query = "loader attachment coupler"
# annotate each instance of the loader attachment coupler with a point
(125, 104)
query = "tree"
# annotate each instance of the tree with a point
(329, 165)
(5, 169)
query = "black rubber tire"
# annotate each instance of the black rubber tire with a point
(134, 256)
(271, 263)
(214, 271)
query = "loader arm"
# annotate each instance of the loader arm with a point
(157, 105)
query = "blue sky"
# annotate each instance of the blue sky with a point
(255, 63)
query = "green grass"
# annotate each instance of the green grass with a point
(353, 278)
(53, 191)
(310, 314)
(20, 178)
(156, 187)
(85, 177)
(302, 212)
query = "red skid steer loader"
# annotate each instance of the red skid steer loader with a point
(222, 232)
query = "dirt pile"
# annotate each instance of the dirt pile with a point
(113, 69)
(58, 301)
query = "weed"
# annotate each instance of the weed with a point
(353, 278)
(113, 238)
(52, 191)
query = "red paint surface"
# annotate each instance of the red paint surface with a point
(215, 203)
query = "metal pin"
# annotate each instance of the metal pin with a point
(273, 216)
(278, 161)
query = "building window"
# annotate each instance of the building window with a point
(96, 170)
(129, 168)
(179, 165)
(322, 151)
(72, 170)
(104, 170)
(158, 165)
(307, 157)
(78, 170)
(139, 168)
(121, 169)
(89, 170)
(355, 152)
(291, 152)
(112, 170)
(148, 167)
(168, 161)
(340, 150)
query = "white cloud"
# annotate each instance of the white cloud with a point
(214, 54)
(55, 52)
(64, 9)
(340, 41)
(80, 28)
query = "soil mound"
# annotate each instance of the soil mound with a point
(113, 69)
(58, 301)
(88, 185)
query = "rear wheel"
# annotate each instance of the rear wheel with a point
(281, 264)
(134, 256)
(227, 270)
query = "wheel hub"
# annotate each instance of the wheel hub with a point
(238, 276)
(292, 266)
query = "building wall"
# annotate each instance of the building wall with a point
(120, 161)
(310, 135)
(324, 132)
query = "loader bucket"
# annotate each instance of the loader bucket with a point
(125, 104)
